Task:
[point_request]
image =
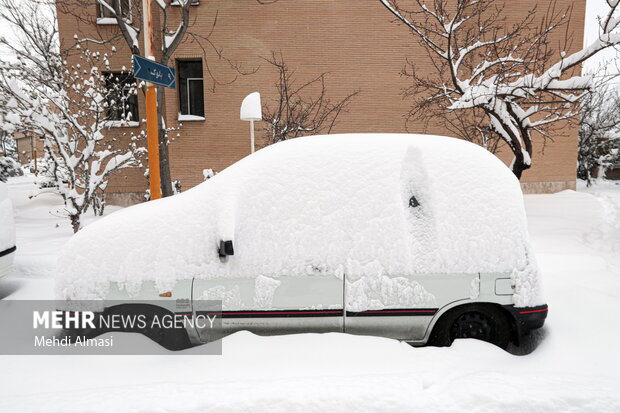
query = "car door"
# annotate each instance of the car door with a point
(274, 305)
(401, 307)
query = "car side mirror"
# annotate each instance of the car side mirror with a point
(226, 248)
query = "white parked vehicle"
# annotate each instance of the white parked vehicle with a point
(7, 231)
(414, 237)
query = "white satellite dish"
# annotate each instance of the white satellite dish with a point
(251, 111)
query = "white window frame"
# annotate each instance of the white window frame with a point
(110, 20)
(187, 81)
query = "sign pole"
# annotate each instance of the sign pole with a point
(252, 135)
(151, 105)
(34, 155)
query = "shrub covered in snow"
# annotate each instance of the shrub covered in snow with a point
(599, 133)
(9, 167)
(208, 173)
(334, 204)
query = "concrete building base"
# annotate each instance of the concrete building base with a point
(547, 187)
(124, 199)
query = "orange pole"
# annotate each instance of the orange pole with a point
(151, 106)
(36, 172)
(153, 141)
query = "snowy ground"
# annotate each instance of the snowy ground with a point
(575, 366)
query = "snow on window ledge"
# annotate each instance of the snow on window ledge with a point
(106, 20)
(109, 20)
(190, 118)
(121, 124)
(177, 3)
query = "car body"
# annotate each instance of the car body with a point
(7, 231)
(7, 256)
(413, 237)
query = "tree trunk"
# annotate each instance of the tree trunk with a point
(164, 162)
(75, 222)
(519, 166)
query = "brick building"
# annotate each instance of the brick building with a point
(354, 41)
(29, 147)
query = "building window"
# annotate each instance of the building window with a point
(122, 96)
(105, 15)
(191, 98)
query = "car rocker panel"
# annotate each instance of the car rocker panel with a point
(7, 257)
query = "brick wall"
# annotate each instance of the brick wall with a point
(26, 146)
(353, 40)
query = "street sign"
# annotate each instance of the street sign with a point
(153, 72)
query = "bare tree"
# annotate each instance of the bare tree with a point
(300, 109)
(599, 132)
(67, 105)
(509, 74)
(174, 19)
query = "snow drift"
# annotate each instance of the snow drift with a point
(337, 204)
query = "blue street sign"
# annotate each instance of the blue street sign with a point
(153, 72)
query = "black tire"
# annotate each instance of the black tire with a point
(484, 322)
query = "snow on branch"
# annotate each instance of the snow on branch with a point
(172, 28)
(507, 73)
(68, 105)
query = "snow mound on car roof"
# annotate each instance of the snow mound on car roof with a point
(324, 204)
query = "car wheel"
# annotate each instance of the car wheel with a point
(482, 322)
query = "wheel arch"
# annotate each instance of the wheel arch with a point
(153, 309)
(462, 306)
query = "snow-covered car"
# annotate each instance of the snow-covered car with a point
(7, 231)
(414, 237)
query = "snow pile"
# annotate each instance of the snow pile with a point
(338, 204)
(7, 226)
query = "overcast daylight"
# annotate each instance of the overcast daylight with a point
(309, 206)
